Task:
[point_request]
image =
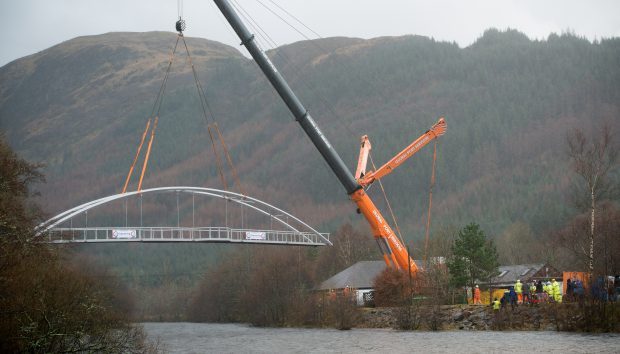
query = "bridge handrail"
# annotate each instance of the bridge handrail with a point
(227, 195)
(165, 233)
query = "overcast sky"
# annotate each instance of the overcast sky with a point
(29, 26)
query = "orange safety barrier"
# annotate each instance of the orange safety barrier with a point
(583, 276)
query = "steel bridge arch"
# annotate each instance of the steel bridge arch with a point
(244, 200)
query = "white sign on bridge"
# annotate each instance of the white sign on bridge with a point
(255, 235)
(124, 233)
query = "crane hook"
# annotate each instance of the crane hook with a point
(180, 26)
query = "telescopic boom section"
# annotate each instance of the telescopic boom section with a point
(436, 131)
(394, 252)
(362, 161)
(290, 99)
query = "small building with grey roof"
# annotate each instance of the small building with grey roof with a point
(358, 277)
(527, 273)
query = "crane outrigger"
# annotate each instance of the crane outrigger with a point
(394, 252)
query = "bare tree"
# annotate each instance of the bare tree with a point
(571, 239)
(607, 247)
(517, 244)
(391, 288)
(350, 246)
(593, 161)
(440, 244)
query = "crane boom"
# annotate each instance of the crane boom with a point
(436, 131)
(394, 252)
(290, 99)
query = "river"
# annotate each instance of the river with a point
(238, 338)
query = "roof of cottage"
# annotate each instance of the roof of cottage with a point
(361, 275)
(508, 275)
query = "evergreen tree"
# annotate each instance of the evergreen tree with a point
(475, 257)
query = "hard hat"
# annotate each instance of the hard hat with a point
(552, 279)
(476, 285)
(518, 280)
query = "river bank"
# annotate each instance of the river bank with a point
(543, 317)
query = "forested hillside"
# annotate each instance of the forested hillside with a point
(80, 108)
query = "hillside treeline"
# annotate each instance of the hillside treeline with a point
(509, 102)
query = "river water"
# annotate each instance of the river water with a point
(238, 338)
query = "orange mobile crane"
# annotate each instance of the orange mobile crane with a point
(394, 252)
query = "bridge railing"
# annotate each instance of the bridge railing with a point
(180, 234)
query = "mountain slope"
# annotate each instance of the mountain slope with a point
(81, 106)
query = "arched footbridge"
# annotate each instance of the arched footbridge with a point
(179, 214)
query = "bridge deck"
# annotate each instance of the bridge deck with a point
(181, 234)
